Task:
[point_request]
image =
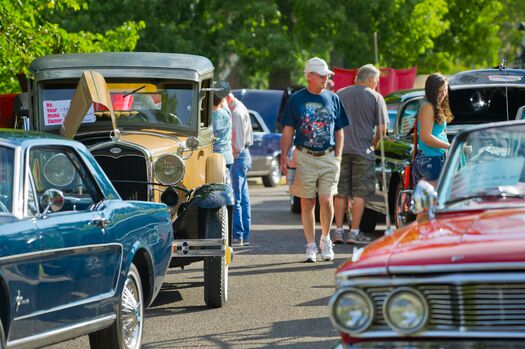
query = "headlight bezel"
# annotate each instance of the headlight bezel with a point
(335, 300)
(175, 180)
(420, 297)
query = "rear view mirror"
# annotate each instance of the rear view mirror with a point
(52, 200)
(425, 198)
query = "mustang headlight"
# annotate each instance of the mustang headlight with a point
(169, 169)
(351, 310)
(406, 310)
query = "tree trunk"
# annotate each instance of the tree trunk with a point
(279, 78)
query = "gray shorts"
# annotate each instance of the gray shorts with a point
(357, 177)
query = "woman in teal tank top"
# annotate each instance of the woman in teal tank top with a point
(434, 114)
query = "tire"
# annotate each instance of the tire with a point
(2, 337)
(215, 268)
(130, 311)
(273, 178)
(215, 169)
(295, 204)
(368, 221)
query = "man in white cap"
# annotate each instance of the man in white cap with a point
(316, 117)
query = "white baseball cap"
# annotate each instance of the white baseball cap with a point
(317, 65)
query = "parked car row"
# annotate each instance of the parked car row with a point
(89, 229)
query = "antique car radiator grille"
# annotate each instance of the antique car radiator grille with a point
(130, 167)
(467, 307)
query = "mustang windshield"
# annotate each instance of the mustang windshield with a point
(159, 103)
(486, 166)
(6, 179)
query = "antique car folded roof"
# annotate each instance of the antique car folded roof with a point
(112, 64)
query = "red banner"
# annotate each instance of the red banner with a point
(6, 110)
(391, 80)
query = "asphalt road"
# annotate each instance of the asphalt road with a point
(275, 300)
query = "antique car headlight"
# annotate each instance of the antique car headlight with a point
(169, 169)
(351, 310)
(406, 310)
(59, 171)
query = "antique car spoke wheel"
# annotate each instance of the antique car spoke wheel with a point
(215, 268)
(273, 178)
(126, 331)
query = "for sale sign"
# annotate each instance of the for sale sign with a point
(56, 111)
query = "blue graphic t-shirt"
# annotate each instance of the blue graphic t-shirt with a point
(222, 131)
(315, 118)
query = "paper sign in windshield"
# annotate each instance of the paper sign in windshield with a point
(56, 111)
(477, 178)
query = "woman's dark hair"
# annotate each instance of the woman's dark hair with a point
(441, 111)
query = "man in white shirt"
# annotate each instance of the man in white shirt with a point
(242, 138)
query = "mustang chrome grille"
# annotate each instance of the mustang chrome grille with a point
(129, 165)
(464, 307)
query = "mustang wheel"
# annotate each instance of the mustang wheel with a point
(126, 332)
(273, 178)
(215, 268)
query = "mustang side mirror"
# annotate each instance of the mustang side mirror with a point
(52, 200)
(425, 198)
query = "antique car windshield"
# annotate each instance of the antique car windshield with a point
(137, 104)
(6, 179)
(486, 168)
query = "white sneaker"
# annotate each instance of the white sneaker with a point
(339, 235)
(327, 251)
(311, 253)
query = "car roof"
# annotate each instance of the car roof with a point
(20, 137)
(487, 77)
(266, 102)
(403, 95)
(143, 63)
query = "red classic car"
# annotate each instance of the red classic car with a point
(455, 278)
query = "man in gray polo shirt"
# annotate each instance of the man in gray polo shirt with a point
(366, 111)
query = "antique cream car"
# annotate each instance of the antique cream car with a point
(153, 139)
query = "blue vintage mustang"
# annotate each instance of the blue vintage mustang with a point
(75, 259)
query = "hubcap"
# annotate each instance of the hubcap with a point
(131, 314)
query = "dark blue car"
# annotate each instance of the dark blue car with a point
(75, 259)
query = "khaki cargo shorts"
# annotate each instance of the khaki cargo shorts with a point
(315, 174)
(357, 177)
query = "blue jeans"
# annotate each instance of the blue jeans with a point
(427, 167)
(241, 209)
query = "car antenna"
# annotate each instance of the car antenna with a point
(503, 68)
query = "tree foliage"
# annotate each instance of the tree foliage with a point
(265, 43)
(25, 34)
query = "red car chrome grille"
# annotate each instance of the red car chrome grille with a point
(480, 307)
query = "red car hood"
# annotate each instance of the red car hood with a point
(495, 236)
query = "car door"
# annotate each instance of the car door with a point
(77, 268)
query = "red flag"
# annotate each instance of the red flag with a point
(391, 80)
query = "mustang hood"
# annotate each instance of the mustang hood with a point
(496, 236)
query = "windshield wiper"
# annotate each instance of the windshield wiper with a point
(502, 195)
(135, 90)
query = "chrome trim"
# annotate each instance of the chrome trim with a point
(418, 295)
(192, 248)
(49, 253)
(457, 267)
(67, 306)
(486, 85)
(145, 151)
(454, 279)
(366, 297)
(63, 333)
(449, 334)
(182, 163)
(364, 271)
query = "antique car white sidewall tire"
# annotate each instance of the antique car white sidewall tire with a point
(130, 308)
(215, 168)
(273, 178)
(215, 268)
(368, 221)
